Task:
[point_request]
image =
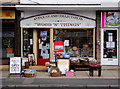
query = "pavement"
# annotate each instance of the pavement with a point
(109, 79)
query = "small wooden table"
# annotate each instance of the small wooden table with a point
(93, 67)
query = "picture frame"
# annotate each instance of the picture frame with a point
(31, 57)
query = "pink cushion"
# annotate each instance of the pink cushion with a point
(95, 65)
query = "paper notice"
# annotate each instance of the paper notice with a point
(31, 41)
(66, 43)
(40, 46)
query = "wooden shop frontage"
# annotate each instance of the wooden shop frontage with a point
(43, 34)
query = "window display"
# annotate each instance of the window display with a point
(8, 38)
(110, 44)
(78, 42)
(27, 42)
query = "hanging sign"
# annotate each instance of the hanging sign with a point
(7, 14)
(110, 19)
(15, 65)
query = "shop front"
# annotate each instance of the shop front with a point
(43, 34)
(109, 38)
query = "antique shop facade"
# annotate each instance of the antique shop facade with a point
(40, 32)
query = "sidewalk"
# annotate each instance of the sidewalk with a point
(107, 72)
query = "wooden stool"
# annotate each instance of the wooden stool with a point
(93, 67)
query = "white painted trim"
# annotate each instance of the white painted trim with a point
(21, 42)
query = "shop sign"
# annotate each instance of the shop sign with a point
(15, 65)
(110, 19)
(7, 14)
(58, 20)
(59, 46)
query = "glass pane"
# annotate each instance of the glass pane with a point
(110, 44)
(27, 42)
(7, 42)
(80, 38)
(44, 48)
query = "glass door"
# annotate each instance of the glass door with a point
(43, 46)
(109, 47)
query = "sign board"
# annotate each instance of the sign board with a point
(63, 65)
(15, 65)
(59, 46)
(7, 14)
(57, 21)
(110, 19)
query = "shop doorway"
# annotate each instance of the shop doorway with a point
(43, 46)
(109, 46)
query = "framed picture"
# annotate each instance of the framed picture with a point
(63, 65)
(31, 57)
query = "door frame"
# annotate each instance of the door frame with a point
(115, 60)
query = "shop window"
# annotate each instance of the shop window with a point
(27, 42)
(8, 38)
(77, 42)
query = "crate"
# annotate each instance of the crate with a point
(69, 74)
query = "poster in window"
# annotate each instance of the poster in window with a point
(110, 19)
(43, 33)
(59, 46)
(15, 65)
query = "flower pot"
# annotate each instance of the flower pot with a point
(9, 50)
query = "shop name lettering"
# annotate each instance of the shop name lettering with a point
(58, 24)
(58, 16)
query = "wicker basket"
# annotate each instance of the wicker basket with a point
(74, 61)
(29, 74)
(92, 62)
(57, 74)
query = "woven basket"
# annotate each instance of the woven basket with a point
(57, 74)
(74, 61)
(29, 74)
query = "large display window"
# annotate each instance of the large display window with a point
(77, 42)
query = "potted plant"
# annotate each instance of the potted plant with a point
(9, 43)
